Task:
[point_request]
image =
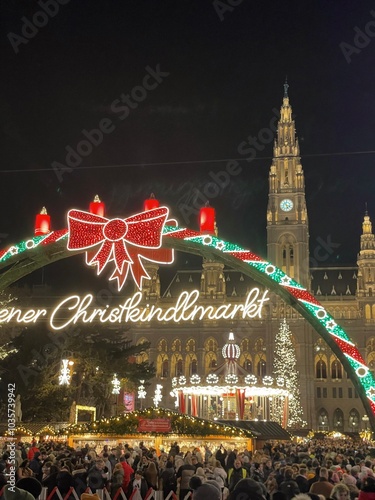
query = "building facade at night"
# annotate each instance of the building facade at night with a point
(194, 348)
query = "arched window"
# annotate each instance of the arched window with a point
(261, 367)
(176, 346)
(162, 345)
(193, 367)
(321, 369)
(354, 420)
(190, 345)
(323, 424)
(248, 365)
(338, 420)
(336, 369)
(165, 369)
(179, 368)
(210, 356)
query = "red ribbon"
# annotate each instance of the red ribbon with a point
(125, 241)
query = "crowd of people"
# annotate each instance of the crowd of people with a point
(315, 470)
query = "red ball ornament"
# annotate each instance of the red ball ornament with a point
(97, 207)
(42, 223)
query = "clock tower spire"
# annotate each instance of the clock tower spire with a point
(287, 222)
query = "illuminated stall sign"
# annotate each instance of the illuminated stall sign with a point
(76, 309)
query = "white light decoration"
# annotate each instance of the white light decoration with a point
(231, 350)
(158, 395)
(64, 377)
(195, 379)
(141, 390)
(212, 378)
(174, 394)
(251, 379)
(231, 378)
(182, 380)
(268, 380)
(76, 309)
(116, 384)
(280, 381)
(174, 381)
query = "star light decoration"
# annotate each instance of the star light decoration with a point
(158, 395)
(116, 385)
(64, 377)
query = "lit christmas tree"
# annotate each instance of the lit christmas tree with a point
(284, 367)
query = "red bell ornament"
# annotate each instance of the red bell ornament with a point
(207, 217)
(97, 207)
(42, 223)
(151, 203)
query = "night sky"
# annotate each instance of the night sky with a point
(220, 66)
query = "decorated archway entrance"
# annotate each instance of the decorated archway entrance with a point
(127, 241)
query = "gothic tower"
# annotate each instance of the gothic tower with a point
(287, 223)
(366, 267)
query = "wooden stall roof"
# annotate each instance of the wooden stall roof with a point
(261, 429)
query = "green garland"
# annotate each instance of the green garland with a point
(180, 424)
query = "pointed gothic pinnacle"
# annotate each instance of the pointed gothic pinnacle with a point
(286, 86)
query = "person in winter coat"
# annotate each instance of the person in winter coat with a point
(138, 482)
(235, 474)
(368, 489)
(220, 474)
(168, 479)
(289, 487)
(117, 479)
(151, 475)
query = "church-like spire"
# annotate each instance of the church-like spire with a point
(287, 222)
(286, 86)
(366, 259)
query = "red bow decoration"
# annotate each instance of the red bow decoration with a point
(125, 241)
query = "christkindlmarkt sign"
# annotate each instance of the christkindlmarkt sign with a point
(76, 309)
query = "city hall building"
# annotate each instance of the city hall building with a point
(185, 353)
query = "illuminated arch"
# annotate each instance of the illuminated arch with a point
(34, 253)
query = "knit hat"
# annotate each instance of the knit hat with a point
(16, 493)
(247, 489)
(206, 491)
(31, 485)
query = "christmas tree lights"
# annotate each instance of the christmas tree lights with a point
(285, 367)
